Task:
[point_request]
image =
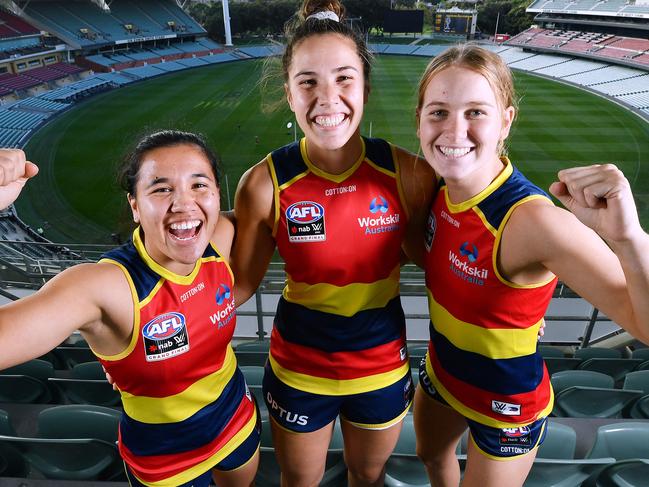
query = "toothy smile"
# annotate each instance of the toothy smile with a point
(329, 120)
(185, 230)
(454, 151)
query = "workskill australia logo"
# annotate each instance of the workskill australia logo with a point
(305, 221)
(380, 221)
(225, 300)
(461, 265)
(165, 336)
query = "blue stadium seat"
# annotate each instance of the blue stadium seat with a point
(615, 367)
(597, 352)
(569, 378)
(87, 385)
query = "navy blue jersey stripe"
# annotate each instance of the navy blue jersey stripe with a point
(334, 333)
(379, 152)
(497, 204)
(190, 434)
(501, 376)
(291, 164)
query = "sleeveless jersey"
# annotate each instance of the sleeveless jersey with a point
(482, 355)
(339, 327)
(186, 404)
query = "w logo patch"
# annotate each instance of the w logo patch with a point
(505, 408)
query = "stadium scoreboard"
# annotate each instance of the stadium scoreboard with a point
(455, 21)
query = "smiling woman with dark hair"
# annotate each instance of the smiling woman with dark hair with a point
(159, 314)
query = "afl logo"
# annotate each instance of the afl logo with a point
(304, 212)
(164, 326)
(516, 432)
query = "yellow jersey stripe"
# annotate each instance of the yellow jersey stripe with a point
(495, 343)
(176, 408)
(329, 298)
(333, 387)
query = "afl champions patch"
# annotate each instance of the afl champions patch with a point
(165, 336)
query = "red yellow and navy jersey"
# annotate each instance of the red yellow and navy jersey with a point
(186, 404)
(340, 237)
(482, 356)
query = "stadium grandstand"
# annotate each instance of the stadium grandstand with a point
(612, 30)
(54, 54)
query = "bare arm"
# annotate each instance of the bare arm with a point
(418, 182)
(254, 243)
(613, 277)
(92, 298)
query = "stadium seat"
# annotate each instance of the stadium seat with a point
(253, 346)
(416, 353)
(641, 353)
(569, 378)
(560, 441)
(622, 441)
(550, 351)
(87, 385)
(624, 473)
(251, 357)
(559, 364)
(592, 402)
(268, 473)
(597, 352)
(27, 382)
(643, 366)
(615, 367)
(638, 380)
(555, 465)
(87, 391)
(74, 442)
(12, 464)
(69, 356)
(254, 374)
(23, 389)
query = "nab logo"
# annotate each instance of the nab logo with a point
(164, 326)
(470, 253)
(305, 212)
(379, 204)
(222, 293)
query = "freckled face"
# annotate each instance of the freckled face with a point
(326, 90)
(461, 124)
(176, 203)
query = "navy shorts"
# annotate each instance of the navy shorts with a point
(495, 443)
(305, 412)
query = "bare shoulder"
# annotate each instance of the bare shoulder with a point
(254, 197)
(540, 231)
(224, 235)
(418, 179)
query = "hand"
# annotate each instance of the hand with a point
(541, 331)
(15, 170)
(110, 379)
(600, 196)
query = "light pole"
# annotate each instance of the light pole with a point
(290, 125)
(496, 31)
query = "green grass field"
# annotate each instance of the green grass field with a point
(75, 199)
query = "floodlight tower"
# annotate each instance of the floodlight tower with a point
(226, 23)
